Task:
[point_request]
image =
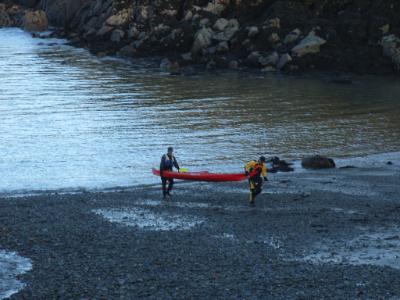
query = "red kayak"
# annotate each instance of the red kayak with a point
(202, 176)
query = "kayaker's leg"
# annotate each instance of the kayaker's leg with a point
(251, 197)
(164, 186)
(257, 189)
(170, 186)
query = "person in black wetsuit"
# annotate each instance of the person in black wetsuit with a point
(168, 162)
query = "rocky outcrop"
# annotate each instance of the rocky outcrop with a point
(10, 15)
(317, 162)
(268, 35)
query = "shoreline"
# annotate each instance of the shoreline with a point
(306, 237)
(380, 160)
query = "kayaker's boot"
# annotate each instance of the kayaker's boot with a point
(251, 199)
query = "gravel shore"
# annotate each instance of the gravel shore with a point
(315, 234)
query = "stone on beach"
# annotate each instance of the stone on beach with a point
(317, 162)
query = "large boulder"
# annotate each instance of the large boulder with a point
(284, 60)
(270, 60)
(216, 7)
(292, 37)
(220, 24)
(391, 49)
(318, 162)
(202, 39)
(229, 30)
(121, 18)
(35, 21)
(310, 44)
(117, 35)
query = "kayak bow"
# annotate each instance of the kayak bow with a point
(202, 176)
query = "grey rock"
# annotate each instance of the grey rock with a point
(222, 47)
(216, 7)
(254, 58)
(271, 59)
(188, 16)
(187, 56)
(283, 61)
(292, 36)
(204, 22)
(229, 31)
(202, 39)
(221, 24)
(117, 35)
(391, 49)
(253, 31)
(133, 32)
(274, 38)
(309, 45)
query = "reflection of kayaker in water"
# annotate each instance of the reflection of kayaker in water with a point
(168, 162)
(256, 171)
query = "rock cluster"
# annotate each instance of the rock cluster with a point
(280, 35)
(13, 15)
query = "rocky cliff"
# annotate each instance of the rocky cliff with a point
(361, 36)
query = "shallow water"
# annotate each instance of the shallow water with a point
(147, 220)
(11, 266)
(72, 120)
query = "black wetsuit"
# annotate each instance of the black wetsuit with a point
(167, 163)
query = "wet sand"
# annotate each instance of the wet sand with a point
(315, 234)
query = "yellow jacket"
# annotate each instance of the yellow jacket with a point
(252, 165)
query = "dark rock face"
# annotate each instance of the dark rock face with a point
(317, 162)
(28, 3)
(61, 12)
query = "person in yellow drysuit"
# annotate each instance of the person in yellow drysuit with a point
(256, 171)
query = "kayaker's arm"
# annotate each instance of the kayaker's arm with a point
(264, 170)
(175, 162)
(162, 165)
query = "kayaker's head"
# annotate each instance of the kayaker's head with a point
(170, 151)
(261, 160)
